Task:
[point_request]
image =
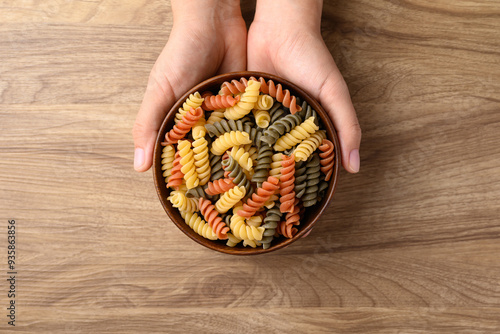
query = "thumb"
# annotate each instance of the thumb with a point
(334, 97)
(158, 99)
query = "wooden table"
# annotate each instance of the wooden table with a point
(410, 245)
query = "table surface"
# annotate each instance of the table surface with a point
(411, 244)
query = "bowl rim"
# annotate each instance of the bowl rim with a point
(159, 180)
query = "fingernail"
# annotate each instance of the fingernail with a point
(354, 161)
(138, 157)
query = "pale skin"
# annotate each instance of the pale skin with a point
(284, 39)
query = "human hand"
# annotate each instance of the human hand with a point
(205, 40)
(285, 39)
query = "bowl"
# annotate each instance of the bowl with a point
(312, 214)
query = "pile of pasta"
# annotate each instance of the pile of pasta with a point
(243, 164)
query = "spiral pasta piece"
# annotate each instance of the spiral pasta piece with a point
(219, 128)
(307, 112)
(199, 130)
(219, 186)
(298, 133)
(277, 112)
(270, 223)
(309, 145)
(276, 165)
(228, 140)
(292, 219)
(201, 160)
(254, 221)
(243, 157)
(187, 162)
(264, 159)
(193, 101)
(242, 230)
(300, 179)
(283, 96)
(167, 161)
(269, 87)
(246, 103)
(213, 219)
(181, 202)
(234, 171)
(313, 173)
(251, 243)
(180, 130)
(232, 240)
(198, 225)
(279, 128)
(215, 166)
(229, 199)
(196, 192)
(258, 198)
(176, 178)
(216, 116)
(234, 87)
(287, 184)
(214, 102)
(262, 118)
(264, 102)
(327, 156)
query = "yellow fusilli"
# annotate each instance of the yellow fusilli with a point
(298, 133)
(308, 146)
(167, 161)
(242, 230)
(181, 202)
(276, 165)
(264, 102)
(246, 103)
(229, 199)
(201, 160)
(199, 130)
(228, 140)
(198, 225)
(262, 118)
(187, 162)
(242, 157)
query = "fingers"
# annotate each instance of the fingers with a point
(156, 103)
(334, 97)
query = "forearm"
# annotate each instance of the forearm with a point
(206, 10)
(290, 12)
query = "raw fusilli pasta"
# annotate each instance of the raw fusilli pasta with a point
(201, 161)
(309, 145)
(198, 225)
(246, 103)
(327, 155)
(250, 159)
(262, 118)
(229, 199)
(213, 219)
(228, 140)
(298, 133)
(187, 162)
(242, 230)
(167, 161)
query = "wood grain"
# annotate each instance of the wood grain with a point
(410, 244)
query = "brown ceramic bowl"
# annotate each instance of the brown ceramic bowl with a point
(312, 214)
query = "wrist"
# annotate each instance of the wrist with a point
(205, 11)
(290, 13)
